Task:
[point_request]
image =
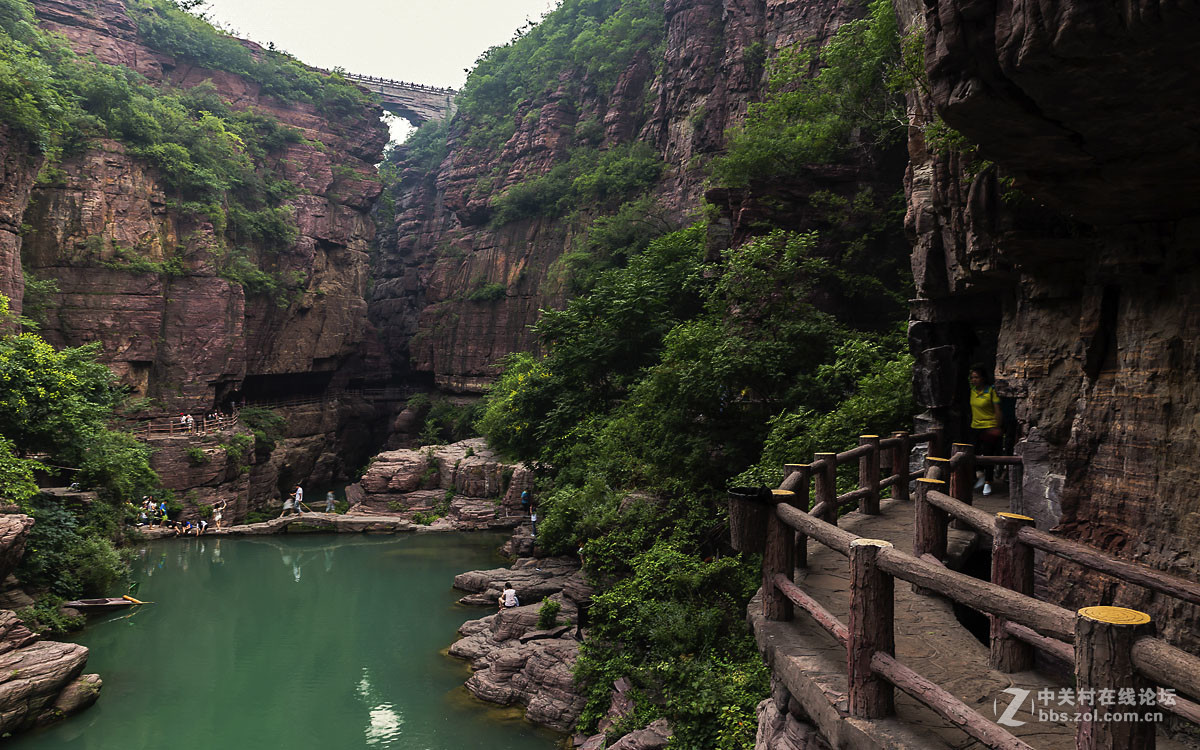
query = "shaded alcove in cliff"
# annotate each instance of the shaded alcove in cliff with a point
(285, 386)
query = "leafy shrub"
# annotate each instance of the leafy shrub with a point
(197, 456)
(44, 617)
(852, 103)
(266, 424)
(548, 614)
(588, 178)
(493, 292)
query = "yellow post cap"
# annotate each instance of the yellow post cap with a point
(1115, 615)
(1015, 516)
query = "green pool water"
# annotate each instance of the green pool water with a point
(330, 642)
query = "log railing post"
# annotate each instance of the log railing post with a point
(1104, 638)
(798, 476)
(900, 454)
(962, 480)
(825, 486)
(1016, 487)
(929, 532)
(937, 468)
(777, 558)
(748, 509)
(868, 476)
(871, 630)
(937, 443)
(1012, 568)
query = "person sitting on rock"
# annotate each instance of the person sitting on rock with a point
(508, 598)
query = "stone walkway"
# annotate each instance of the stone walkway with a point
(929, 639)
(349, 523)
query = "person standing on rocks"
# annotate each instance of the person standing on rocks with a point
(219, 513)
(299, 497)
(329, 502)
(508, 599)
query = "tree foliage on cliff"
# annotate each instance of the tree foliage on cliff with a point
(683, 368)
(168, 27)
(215, 162)
(57, 404)
(824, 103)
(590, 41)
(661, 384)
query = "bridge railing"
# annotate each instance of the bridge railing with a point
(1112, 649)
(393, 82)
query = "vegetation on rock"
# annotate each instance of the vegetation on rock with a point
(680, 368)
(57, 405)
(215, 162)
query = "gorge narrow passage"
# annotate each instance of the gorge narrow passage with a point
(318, 641)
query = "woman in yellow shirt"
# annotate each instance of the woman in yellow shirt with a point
(986, 421)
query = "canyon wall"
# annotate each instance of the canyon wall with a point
(189, 338)
(443, 248)
(1062, 244)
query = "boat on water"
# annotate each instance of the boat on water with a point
(106, 604)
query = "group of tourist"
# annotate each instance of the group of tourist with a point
(153, 513)
(295, 504)
(214, 421)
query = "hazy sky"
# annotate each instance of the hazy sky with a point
(425, 41)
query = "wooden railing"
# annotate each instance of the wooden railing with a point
(168, 426)
(1113, 648)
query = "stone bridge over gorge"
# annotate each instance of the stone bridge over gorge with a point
(413, 101)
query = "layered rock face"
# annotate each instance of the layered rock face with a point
(187, 340)
(1072, 260)
(515, 662)
(442, 249)
(465, 481)
(40, 681)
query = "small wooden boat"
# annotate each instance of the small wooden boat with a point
(102, 605)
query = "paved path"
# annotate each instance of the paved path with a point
(929, 639)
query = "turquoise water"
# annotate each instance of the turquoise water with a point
(330, 642)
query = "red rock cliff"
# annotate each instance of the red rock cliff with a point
(1072, 261)
(188, 340)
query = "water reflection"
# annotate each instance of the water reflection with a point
(383, 719)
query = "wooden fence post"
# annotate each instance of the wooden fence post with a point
(872, 607)
(937, 468)
(796, 476)
(777, 558)
(1016, 487)
(900, 454)
(825, 486)
(748, 509)
(929, 532)
(962, 480)
(868, 476)
(1104, 638)
(1012, 568)
(937, 443)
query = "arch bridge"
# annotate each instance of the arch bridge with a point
(414, 102)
